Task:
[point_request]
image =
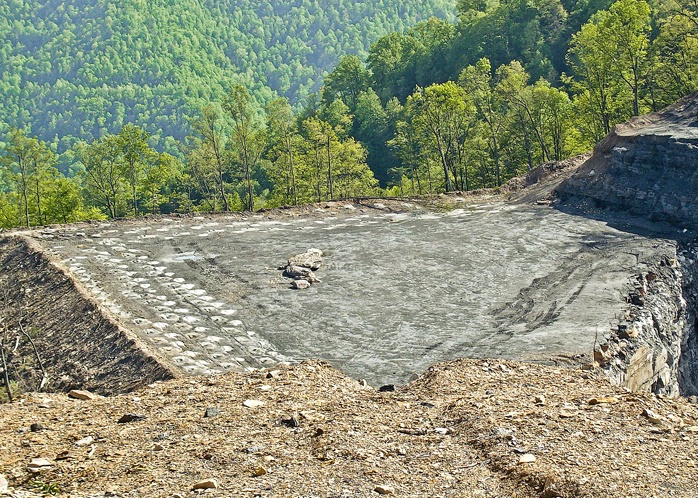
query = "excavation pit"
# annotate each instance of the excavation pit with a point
(400, 290)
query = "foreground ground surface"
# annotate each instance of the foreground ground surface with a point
(462, 429)
(400, 290)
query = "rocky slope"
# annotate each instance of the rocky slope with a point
(465, 429)
(648, 168)
(78, 342)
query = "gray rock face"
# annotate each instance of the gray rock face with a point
(648, 167)
(644, 352)
(655, 347)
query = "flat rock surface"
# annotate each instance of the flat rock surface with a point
(459, 430)
(399, 291)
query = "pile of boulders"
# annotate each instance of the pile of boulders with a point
(301, 268)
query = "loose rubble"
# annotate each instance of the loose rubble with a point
(471, 428)
(301, 267)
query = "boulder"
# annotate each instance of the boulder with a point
(312, 259)
(301, 273)
(300, 284)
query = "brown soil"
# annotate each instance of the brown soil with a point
(80, 345)
(459, 430)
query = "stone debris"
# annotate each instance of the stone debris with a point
(206, 484)
(384, 489)
(4, 485)
(312, 259)
(84, 441)
(301, 273)
(527, 458)
(212, 411)
(300, 284)
(39, 464)
(460, 429)
(301, 268)
(652, 417)
(293, 421)
(131, 417)
(603, 400)
(253, 403)
(83, 395)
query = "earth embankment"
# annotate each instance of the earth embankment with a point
(79, 345)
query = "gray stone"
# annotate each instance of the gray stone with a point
(300, 284)
(311, 259)
(212, 411)
(301, 273)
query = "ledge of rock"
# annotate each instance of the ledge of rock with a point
(647, 166)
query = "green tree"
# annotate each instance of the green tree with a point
(17, 166)
(247, 139)
(479, 85)
(283, 140)
(136, 158)
(102, 179)
(609, 57)
(28, 167)
(346, 81)
(443, 115)
(206, 156)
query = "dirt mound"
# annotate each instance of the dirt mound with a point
(465, 428)
(79, 345)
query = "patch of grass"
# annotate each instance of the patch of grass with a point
(45, 487)
(14, 388)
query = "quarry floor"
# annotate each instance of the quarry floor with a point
(402, 287)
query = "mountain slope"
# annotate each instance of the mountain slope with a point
(78, 68)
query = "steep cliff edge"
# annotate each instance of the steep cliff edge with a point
(648, 167)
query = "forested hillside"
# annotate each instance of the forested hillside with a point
(76, 69)
(438, 107)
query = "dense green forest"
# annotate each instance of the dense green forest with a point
(440, 106)
(75, 70)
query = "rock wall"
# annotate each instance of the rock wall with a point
(648, 167)
(688, 362)
(79, 344)
(654, 347)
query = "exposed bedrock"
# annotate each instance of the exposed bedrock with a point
(654, 346)
(648, 167)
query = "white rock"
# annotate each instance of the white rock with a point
(84, 441)
(527, 458)
(253, 403)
